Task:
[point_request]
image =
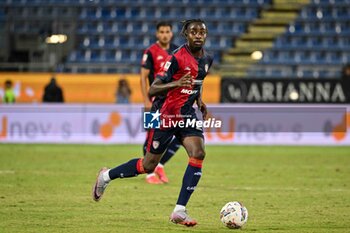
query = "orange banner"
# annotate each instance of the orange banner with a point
(89, 88)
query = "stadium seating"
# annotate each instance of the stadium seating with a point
(130, 28)
(109, 33)
(316, 45)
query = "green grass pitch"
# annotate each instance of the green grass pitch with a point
(47, 188)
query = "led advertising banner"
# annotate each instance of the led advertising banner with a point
(247, 90)
(227, 124)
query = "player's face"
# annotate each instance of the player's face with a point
(164, 35)
(196, 35)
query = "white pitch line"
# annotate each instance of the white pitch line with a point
(7, 172)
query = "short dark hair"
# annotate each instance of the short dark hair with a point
(186, 23)
(8, 82)
(164, 24)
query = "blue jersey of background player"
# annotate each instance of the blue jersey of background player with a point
(153, 60)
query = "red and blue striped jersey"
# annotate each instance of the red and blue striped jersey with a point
(154, 58)
(180, 100)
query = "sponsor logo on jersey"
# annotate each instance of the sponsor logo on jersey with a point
(188, 92)
(197, 82)
(144, 58)
(167, 65)
(155, 144)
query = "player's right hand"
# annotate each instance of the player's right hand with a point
(186, 80)
(147, 104)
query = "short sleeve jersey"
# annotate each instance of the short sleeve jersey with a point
(154, 58)
(179, 101)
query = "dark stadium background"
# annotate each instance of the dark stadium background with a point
(259, 41)
(280, 83)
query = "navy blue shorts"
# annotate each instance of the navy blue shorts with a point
(158, 140)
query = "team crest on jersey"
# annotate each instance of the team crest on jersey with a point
(160, 57)
(167, 65)
(155, 144)
(144, 58)
(206, 67)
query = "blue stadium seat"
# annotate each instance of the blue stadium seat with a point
(146, 41)
(317, 57)
(135, 27)
(286, 56)
(161, 13)
(90, 42)
(109, 56)
(333, 57)
(314, 41)
(303, 57)
(252, 13)
(147, 13)
(270, 56)
(104, 13)
(282, 40)
(296, 28)
(344, 42)
(330, 42)
(297, 41)
(88, 13)
(86, 28)
(92, 56)
(123, 41)
(109, 42)
(133, 12)
(126, 56)
(345, 57)
(341, 12)
(136, 42)
(327, 27)
(119, 13)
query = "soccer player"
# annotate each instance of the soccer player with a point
(152, 61)
(181, 77)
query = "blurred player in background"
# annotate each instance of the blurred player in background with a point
(123, 92)
(9, 94)
(181, 78)
(152, 62)
(53, 92)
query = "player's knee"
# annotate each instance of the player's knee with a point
(150, 165)
(198, 154)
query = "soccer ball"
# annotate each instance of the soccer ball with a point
(234, 215)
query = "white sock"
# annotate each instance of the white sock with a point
(179, 208)
(151, 174)
(105, 176)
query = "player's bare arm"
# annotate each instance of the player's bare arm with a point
(202, 107)
(158, 87)
(145, 86)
